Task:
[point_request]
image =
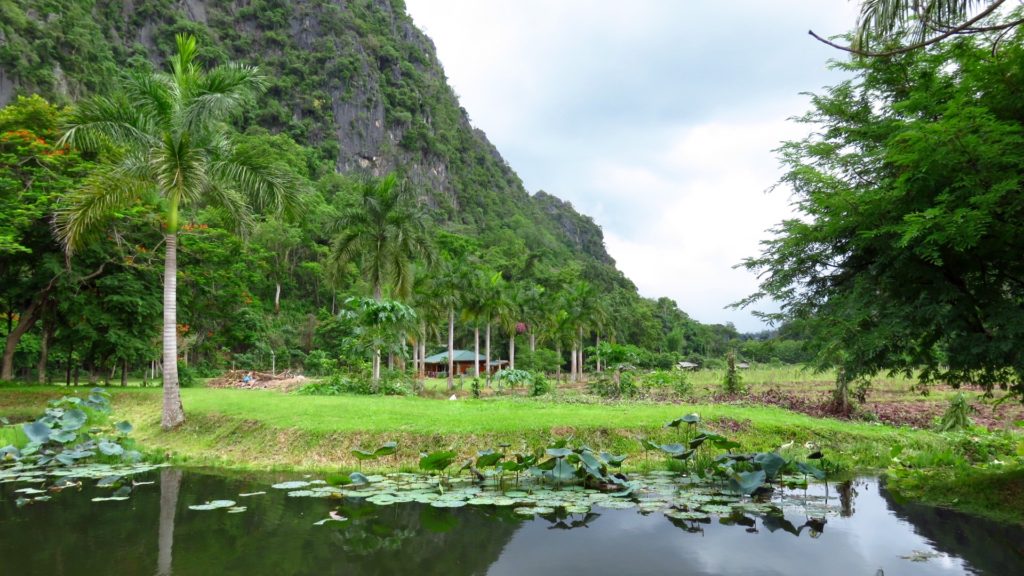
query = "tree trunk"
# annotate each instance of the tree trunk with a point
(533, 342)
(572, 364)
(26, 320)
(124, 372)
(173, 413)
(44, 349)
(597, 345)
(487, 353)
(476, 351)
(170, 483)
(451, 349)
(512, 350)
(558, 369)
(277, 297)
(67, 362)
(579, 364)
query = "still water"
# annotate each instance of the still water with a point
(865, 533)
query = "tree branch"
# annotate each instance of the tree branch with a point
(965, 28)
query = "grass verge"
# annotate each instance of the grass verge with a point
(258, 430)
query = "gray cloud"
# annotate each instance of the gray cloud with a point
(655, 117)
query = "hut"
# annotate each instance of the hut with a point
(437, 365)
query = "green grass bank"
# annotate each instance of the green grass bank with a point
(263, 430)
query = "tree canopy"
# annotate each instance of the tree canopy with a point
(906, 253)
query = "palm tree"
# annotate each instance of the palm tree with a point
(384, 231)
(447, 292)
(166, 136)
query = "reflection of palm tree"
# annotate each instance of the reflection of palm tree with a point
(170, 482)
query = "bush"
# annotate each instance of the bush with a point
(514, 378)
(957, 416)
(621, 384)
(733, 382)
(341, 383)
(540, 360)
(675, 381)
(186, 376)
(319, 363)
(540, 385)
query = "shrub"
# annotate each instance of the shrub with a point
(733, 382)
(186, 376)
(675, 381)
(341, 383)
(540, 385)
(319, 363)
(540, 360)
(957, 416)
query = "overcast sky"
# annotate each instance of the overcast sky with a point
(655, 117)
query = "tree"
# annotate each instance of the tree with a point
(906, 253)
(384, 231)
(164, 138)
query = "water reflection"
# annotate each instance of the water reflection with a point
(852, 528)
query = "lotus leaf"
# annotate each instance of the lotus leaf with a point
(37, 432)
(559, 452)
(747, 482)
(115, 499)
(110, 448)
(437, 461)
(124, 427)
(108, 481)
(770, 462)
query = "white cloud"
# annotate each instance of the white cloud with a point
(658, 118)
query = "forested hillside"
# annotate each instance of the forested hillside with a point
(354, 89)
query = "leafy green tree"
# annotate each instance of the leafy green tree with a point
(164, 138)
(906, 253)
(380, 322)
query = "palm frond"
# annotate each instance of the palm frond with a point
(270, 186)
(180, 169)
(106, 120)
(232, 202)
(884, 18)
(220, 93)
(152, 96)
(80, 214)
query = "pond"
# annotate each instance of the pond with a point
(850, 528)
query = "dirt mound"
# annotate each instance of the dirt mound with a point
(286, 381)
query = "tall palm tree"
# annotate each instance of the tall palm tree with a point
(448, 283)
(384, 231)
(166, 137)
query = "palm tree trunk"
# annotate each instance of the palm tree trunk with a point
(558, 369)
(451, 349)
(277, 298)
(512, 350)
(580, 363)
(173, 413)
(476, 351)
(487, 353)
(597, 345)
(572, 363)
(533, 342)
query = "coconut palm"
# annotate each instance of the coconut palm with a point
(164, 137)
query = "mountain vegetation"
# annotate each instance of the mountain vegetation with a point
(350, 99)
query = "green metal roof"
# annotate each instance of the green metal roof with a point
(459, 355)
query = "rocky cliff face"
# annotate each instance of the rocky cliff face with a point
(354, 79)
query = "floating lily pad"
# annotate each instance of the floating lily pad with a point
(293, 485)
(237, 509)
(114, 499)
(213, 505)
